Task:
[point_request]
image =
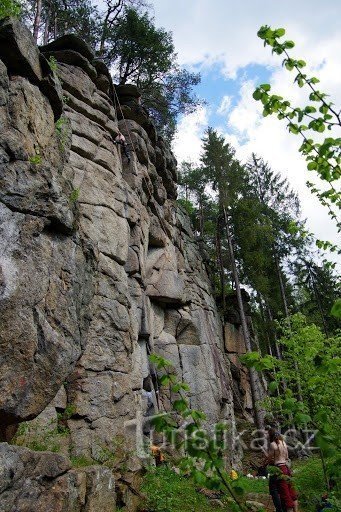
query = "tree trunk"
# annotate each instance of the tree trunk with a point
(201, 218)
(221, 267)
(281, 285)
(262, 314)
(253, 380)
(277, 348)
(317, 298)
(287, 316)
(46, 31)
(37, 19)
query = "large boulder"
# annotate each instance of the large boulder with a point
(44, 481)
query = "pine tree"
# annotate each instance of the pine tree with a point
(223, 173)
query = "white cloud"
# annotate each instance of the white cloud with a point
(247, 113)
(187, 142)
(225, 105)
(226, 31)
(207, 33)
(269, 138)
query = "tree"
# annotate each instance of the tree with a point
(223, 172)
(145, 55)
(110, 18)
(141, 52)
(125, 37)
(10, 8)
(50, 19)
(268, 232)
(193, 179)
(323, 157)
(312, 362)
(318, 289)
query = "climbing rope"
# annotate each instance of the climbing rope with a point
(153, 371)
(150, 191)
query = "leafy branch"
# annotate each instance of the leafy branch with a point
(320, 114)
(204, 460)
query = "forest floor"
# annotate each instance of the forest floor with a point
(166, 491)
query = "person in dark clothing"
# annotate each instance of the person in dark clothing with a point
(120, 139)
(274, 493)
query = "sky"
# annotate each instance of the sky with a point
(219, 39)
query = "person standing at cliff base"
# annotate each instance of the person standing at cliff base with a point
(278, 456)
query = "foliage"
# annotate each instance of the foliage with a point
(81, 461)
(10, 8)
(319, 114)
(62, 130)
(48, 438)
(142, 51)
(166, 491)
(125, 37)
(311, 364)
(204, 454)
(144, 54)
(35, 159)
(53, 18)
(318, 288)
(309, 482)
(74, 195)
(53, 64)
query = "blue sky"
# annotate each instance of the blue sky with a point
(215, 86)
(219, 38)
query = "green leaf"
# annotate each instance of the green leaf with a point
(312, 166)
(164, 380)
(336, 309)
(302, 419)
(289, 404)
(199, 478)
(198, 415)
(180, 405)
(279, 32)
(289, 44)
(273, 386)
(265, 87)
(239, 490)
(257, 95)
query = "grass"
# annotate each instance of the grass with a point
(257, 485)
(81, 462)
(168, 492)
(310, 483)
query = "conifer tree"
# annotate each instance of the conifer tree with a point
(223, 173)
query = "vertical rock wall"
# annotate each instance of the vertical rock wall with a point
(98, 267)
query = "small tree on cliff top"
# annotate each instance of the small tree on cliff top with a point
(145, 55)
(9, 8)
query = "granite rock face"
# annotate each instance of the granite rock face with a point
(42, 481)
(98, 268)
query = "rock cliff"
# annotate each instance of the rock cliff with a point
(98, 268)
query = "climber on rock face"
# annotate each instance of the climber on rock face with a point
(120, 139)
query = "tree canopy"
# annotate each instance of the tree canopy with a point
(124, 35)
